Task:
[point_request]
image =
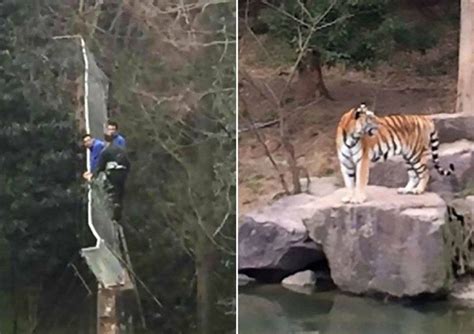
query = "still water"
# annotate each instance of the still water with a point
(274, 309)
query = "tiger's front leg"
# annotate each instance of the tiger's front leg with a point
(348, 171)
(362, 179)
(349, 181)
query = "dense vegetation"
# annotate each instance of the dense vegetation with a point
(172, 80)
(358, 33)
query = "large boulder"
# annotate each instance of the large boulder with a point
(393, 173)
(273, 241)
(454, 127)
(391, 244)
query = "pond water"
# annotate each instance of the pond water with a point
(275, 309)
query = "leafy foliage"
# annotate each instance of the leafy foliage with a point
(40, 197)
(358, 33)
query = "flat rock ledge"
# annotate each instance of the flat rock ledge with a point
(392, 244)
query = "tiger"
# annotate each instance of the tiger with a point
(362, 138)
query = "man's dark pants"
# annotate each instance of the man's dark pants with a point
(116, 180)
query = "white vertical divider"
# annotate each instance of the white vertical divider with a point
(88, 129)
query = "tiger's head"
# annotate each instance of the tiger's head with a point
(364, 120)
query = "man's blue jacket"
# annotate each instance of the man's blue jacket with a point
(96, 149)
(119, 141)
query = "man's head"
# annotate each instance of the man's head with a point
(108, 138)
(112, 128)
(87, 140)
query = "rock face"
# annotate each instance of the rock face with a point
(302, 278)
(393, 174)
(391, 244)
(273, 241)
(454, 127)
(463, 291)
(459, 234)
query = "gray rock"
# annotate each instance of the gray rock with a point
(273, 241)
(459, 234)
(391, 244)
(463, 290)
(465, 207)
(467, 178)
(454, 127)
(244, 279)
(302, 278)
(304, 290)
(393, 174)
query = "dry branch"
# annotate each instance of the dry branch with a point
(245, 113)
(270, 95)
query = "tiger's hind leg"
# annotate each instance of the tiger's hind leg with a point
(418, 176)
(423, 174)
(413, 181)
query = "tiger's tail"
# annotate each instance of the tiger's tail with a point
(434, 143)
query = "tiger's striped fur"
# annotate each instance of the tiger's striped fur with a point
(363, 137)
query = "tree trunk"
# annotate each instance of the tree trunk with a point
(204, 269)
(465, 103)
(310, 82)
(32, 299)
(205, 253)
(107, 321)
(13, 289)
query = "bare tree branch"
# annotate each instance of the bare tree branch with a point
(303, 44)
(246, 114)
(190, 196)
(285, 13)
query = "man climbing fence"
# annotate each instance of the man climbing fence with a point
(113, 161)
(95, 146)
(112, 129)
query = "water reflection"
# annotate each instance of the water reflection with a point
(274, 309)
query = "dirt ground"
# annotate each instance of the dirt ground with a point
(410, 83)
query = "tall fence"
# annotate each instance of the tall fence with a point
(104, 258)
